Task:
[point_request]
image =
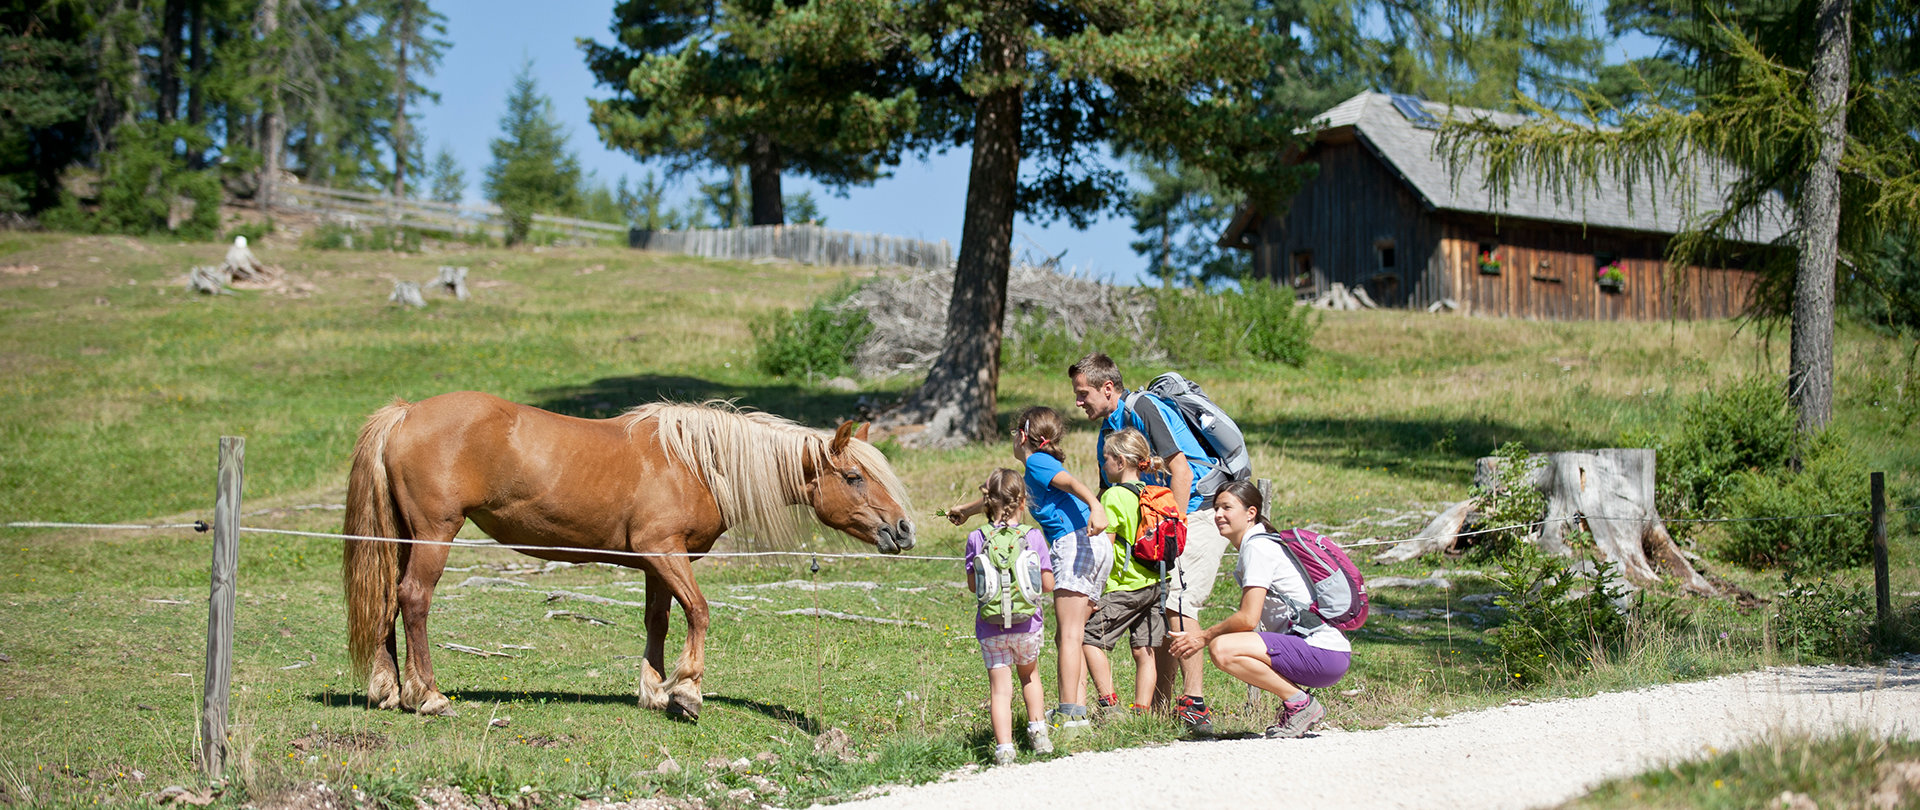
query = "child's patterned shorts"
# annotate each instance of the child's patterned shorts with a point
(1081, 563)
(1011, 649)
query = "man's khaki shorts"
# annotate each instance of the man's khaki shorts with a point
(1194, 572)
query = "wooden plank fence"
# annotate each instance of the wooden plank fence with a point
(807, 244)
(381, 209)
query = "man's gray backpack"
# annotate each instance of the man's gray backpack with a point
(1213, 426)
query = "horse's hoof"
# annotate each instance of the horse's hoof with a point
(438, 705)
(683, 708)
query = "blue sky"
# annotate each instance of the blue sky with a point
(492, 38)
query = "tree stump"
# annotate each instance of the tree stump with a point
(1609, 493)
(407, 294)
(241, 264)
(453, 280)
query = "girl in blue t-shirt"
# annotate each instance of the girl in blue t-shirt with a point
(1075, 525)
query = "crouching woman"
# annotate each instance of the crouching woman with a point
(1273, 641)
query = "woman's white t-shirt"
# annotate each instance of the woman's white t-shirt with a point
(1264, 564)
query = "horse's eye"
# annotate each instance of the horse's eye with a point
(852, 476)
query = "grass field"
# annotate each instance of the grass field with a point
(118, 384)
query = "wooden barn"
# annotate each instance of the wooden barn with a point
(1385, 215)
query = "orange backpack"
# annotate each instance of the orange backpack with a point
(1162, 535)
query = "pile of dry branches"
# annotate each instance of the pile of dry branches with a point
(909, 313)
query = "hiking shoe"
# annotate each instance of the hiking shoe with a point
(1004, 756)
(1295, 721)
(1198, 718)
(1042, 744)
(1137, 709)
(1109, 711)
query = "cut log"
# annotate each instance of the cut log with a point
(1439, 535)
(1608, 492)
(208, 281)
(407, 294)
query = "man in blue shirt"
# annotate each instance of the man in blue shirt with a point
(1099, 392)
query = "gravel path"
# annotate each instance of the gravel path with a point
(1508, 757)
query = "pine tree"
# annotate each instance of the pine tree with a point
(1180, 216)
(1053, 85)
(699, 84)
(413, 34)
(532, 171)
(445, 177)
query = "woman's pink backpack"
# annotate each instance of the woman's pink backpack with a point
(1339, 592)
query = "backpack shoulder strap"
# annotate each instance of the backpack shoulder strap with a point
(1306, 617)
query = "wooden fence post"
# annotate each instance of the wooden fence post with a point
(1882, 589)
(226, 547)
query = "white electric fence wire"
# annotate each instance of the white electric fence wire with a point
(199, 526)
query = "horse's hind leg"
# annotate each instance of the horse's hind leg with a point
(420, 571)
(653, 694)
(683, 688)
(383, 680)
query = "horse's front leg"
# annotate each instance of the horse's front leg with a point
(683, 688)
(653, 694)
(420, 572)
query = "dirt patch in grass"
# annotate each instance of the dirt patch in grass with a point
(329, 740)
(310, 796)
(545, 740)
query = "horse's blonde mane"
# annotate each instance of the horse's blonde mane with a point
(754, 463)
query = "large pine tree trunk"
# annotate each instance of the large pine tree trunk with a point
(400, 101)
(1810, 364)
(197, 73)
(763, 177)
(266, 23)
(173, 18)
(957, 401)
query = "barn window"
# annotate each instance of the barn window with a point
(1385, 248)
(1303, 268)
(1487, 257)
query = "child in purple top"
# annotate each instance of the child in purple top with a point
(1016, 649)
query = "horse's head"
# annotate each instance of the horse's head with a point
(857, 493)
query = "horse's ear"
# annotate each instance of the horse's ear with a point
(861, 434)
(840, 438)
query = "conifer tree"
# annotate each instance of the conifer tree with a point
(703, 84)
(532, 170)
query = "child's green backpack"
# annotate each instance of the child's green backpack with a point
(1006, 576)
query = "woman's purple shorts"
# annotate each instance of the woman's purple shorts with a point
(1303, 663)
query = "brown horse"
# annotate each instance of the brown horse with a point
(661, 478)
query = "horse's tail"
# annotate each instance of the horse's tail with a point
(370, 569)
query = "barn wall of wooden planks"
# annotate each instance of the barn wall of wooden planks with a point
(1356, 223)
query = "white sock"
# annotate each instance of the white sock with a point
(1037, 727)
(1003, 748)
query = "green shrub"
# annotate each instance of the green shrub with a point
(1548, 628)
(1746, 427)
(1829, 480)
(818, 340)
(1278, 330)
(1512, 505)
(1824, 618)
(140, 181)
(1200, 328)
(253, 231)
(1035, 341)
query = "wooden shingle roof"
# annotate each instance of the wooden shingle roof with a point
(1408, 150)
